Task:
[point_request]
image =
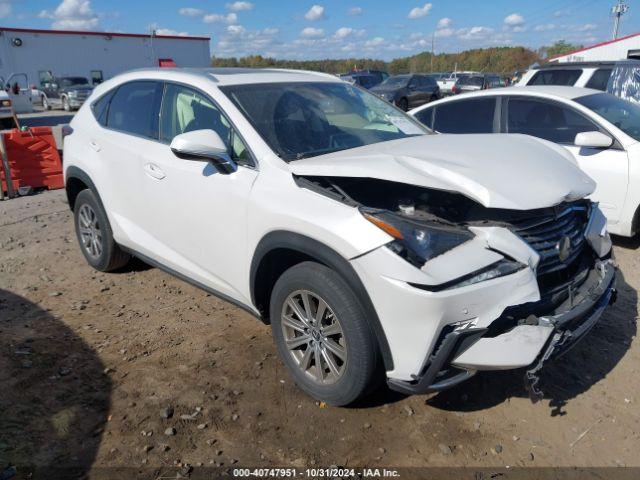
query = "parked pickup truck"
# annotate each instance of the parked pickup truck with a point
(68, 93)
(446, 84)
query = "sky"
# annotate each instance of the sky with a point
(297, 29)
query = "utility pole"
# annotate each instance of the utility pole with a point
(617, 11)
(433, 48)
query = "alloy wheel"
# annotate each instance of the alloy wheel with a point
(90, 232)
(314, 337)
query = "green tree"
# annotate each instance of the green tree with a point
(561, 47)
(503, 60)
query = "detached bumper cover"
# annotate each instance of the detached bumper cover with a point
(463, 351)
(575, 321)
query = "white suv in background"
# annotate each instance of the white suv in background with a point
(367, 243)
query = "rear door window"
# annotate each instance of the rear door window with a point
(547, 120)
(600, 79)
(135, 107)
(556, 77)
(465, 116)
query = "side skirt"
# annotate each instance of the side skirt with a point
(193, 282)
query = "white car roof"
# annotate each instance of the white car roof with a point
(556, 90)
(235, 76)
(550, 91)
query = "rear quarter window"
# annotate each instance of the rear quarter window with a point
(566, 77)
(600, 79)
(100, 108)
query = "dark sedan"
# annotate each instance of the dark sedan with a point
(408, 91)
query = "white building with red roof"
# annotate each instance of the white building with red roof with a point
(619, 49)
(97, 56)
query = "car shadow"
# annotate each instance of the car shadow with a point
(574, 373)
(134, 265)
(54, 395)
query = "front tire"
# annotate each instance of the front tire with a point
(65, 104)
(322, 334)
(95, 236)
(403, 104)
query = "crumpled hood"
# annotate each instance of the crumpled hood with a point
(496, 170)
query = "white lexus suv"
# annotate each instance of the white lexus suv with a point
(372, 246)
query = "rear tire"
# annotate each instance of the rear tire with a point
(45, 103)
(65, 104)
(95, 236)
(403, 104)
(340, 338)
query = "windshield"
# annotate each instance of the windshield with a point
(73, 81)
(396, 81)
(475, 81)
(624, 115)
(301, 120)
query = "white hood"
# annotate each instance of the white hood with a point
(497, 170)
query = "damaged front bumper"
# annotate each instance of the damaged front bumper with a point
(575, 320)
(463, 351)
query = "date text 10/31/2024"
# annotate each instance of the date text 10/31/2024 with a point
(315, 473)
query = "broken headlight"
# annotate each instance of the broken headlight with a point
(498, 269)
(417, 242)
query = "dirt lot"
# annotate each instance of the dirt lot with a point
(89, 361)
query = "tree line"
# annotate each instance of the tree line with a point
(502, 60)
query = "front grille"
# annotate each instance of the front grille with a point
(544, 233)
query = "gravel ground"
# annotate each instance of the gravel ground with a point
(91, 364)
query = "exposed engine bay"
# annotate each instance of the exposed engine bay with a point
(418, 203)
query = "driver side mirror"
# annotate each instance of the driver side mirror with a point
(593, 140)
(204, 145)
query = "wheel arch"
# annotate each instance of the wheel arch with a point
(635, 222)
(280, 250)
(77, 180)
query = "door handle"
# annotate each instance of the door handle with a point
(94, 145)
(154, 171)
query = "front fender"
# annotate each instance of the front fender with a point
(282, 239)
